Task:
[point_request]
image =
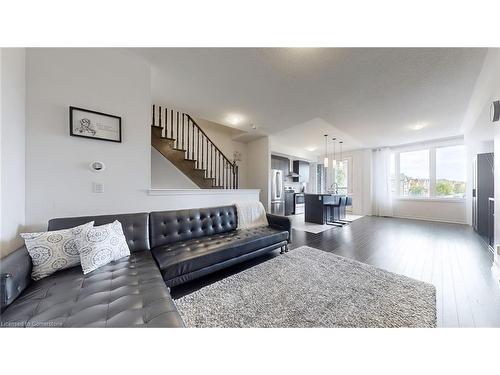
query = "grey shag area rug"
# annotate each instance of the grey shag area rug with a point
(307, 287)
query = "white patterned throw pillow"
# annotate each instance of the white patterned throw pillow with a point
(102, 245)
(55, 250)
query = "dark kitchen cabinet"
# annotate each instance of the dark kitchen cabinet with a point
(289, 203)
(281, 163)
(302, 168)
(482, 190)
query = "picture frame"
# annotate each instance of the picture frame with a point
(94, 125)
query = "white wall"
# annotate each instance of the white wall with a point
(12, 155)
(165, 175)
(259, 169)
(58, 179)
(433, 210)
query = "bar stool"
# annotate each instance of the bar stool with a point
(332, 211)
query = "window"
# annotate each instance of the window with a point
(450, 172)
(342, 177)
(433, 172)
(320, 178)
(414, 178)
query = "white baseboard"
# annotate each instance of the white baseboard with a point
(433, 219)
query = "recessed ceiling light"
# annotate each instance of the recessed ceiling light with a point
(418, 125)
(234, 119)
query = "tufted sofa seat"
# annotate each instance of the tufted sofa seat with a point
(182, 261)
(127, 293)
(167, 248)
(188, 244)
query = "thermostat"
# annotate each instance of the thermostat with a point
(97, 166)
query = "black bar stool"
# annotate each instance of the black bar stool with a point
(333, 211)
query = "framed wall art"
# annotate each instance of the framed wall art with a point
(96, 125)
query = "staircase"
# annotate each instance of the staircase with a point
(179, 139)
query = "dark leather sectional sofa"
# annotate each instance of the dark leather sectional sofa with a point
(167, 248)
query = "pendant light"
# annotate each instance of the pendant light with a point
(325, 160)
(341, 161)
(334, 161)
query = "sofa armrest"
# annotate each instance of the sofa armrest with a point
(281, 223)
(15, 275)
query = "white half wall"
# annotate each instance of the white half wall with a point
(12, 146)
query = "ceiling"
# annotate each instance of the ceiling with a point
(370, 97)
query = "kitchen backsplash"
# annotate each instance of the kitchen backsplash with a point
(296, 186)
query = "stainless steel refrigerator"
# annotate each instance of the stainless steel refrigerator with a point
(277, 192)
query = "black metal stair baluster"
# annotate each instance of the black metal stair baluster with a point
(177, 140)
(192, 151)
(171, 125)
(166, 125)
(182, 132)
(159, 120)
(198, 146)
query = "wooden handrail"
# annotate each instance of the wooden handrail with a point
(206, 136)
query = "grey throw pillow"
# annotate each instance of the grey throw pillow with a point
(102, 245)
(55, 250)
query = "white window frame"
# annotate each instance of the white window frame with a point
(432, 172)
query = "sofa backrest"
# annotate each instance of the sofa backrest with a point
(135, 227)
(15, 275)
(172, 226)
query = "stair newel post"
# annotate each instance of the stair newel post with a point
(236, 177)
(198, 147)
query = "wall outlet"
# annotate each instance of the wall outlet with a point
(97, 187)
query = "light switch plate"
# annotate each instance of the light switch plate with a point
(97, 187)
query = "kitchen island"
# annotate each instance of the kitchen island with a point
(315, 210)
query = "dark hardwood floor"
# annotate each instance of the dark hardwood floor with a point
(450, 256)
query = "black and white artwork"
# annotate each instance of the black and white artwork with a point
(96, 125)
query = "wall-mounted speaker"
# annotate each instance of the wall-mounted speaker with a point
(495, 111)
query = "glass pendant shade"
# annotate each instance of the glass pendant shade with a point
(325, 162)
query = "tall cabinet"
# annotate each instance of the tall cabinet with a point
(483, 188)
